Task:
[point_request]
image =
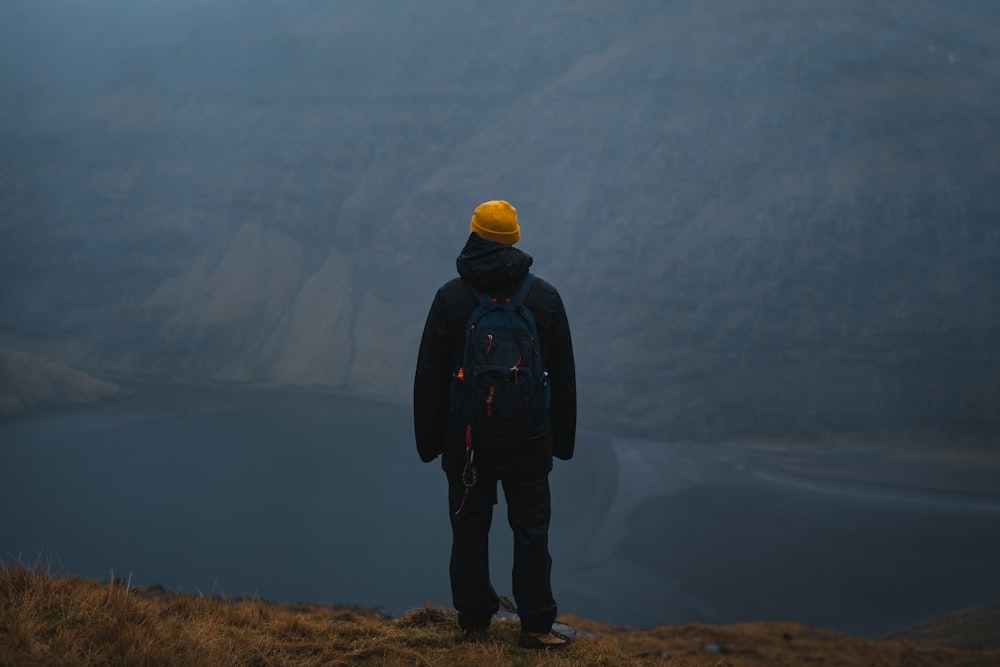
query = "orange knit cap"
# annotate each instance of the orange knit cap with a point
(496, 221)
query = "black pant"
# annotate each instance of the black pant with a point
(528, 512)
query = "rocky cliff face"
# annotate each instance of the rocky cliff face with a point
(28, 384)
(764, 221)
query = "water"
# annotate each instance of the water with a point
(309, 495)
(217, 490)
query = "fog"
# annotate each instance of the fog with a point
(771, 223)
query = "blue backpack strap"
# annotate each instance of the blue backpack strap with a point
(482, 297)
(522, 293)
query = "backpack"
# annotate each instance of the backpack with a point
(500, 393)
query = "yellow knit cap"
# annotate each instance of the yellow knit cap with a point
(496, 221)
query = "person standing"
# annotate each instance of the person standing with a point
(490, 268)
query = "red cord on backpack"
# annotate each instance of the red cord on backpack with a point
(469, 474)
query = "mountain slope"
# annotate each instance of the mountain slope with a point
(765, 221)
(28, 384)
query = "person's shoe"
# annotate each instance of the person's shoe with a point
(478, 636)
(543, 641)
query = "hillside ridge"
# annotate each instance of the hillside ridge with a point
(77, 621)
(29, 384)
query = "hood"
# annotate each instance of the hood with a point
(491, 266)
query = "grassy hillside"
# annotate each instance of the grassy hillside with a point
(46, 620)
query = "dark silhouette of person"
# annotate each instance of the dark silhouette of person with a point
(490, 264)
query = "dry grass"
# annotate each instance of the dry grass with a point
(49, 620)
(768, 644)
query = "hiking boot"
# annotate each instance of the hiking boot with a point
(478, 636)
(543, 641)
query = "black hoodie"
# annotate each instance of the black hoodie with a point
(497, 269)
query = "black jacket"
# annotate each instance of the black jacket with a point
(498, 270)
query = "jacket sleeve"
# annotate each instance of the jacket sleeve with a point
(562, 375)
(431, 384)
